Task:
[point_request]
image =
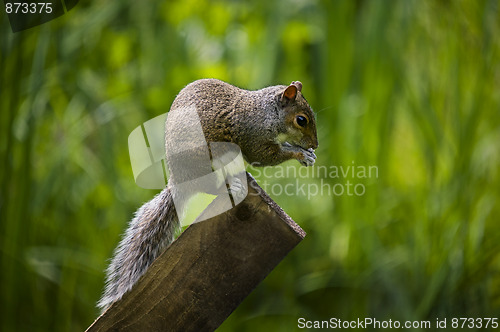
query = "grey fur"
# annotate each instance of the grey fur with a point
(149, 233)
(250, 119)
(254, 120)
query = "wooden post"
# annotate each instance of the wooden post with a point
(208, 271)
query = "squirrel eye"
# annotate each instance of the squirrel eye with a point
(301, 120)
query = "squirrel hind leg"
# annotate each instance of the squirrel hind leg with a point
(238, 189)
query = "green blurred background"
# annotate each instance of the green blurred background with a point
(412, 87)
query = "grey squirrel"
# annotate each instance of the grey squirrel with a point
(270, 126)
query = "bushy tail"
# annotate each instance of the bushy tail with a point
(149, 233)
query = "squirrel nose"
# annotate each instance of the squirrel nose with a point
(314, 145)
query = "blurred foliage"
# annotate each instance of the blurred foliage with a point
(412, 87)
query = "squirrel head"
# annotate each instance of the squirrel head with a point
(300, 124)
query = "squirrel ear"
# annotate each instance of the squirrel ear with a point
(298, 85)
(289, 94)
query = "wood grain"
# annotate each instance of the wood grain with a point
(208, 271)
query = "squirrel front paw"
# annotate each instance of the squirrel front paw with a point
(309, 157)
(305, 157)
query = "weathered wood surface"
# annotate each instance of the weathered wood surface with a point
(206, 273)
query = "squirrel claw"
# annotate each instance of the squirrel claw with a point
(309, 157)
(237, 189)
